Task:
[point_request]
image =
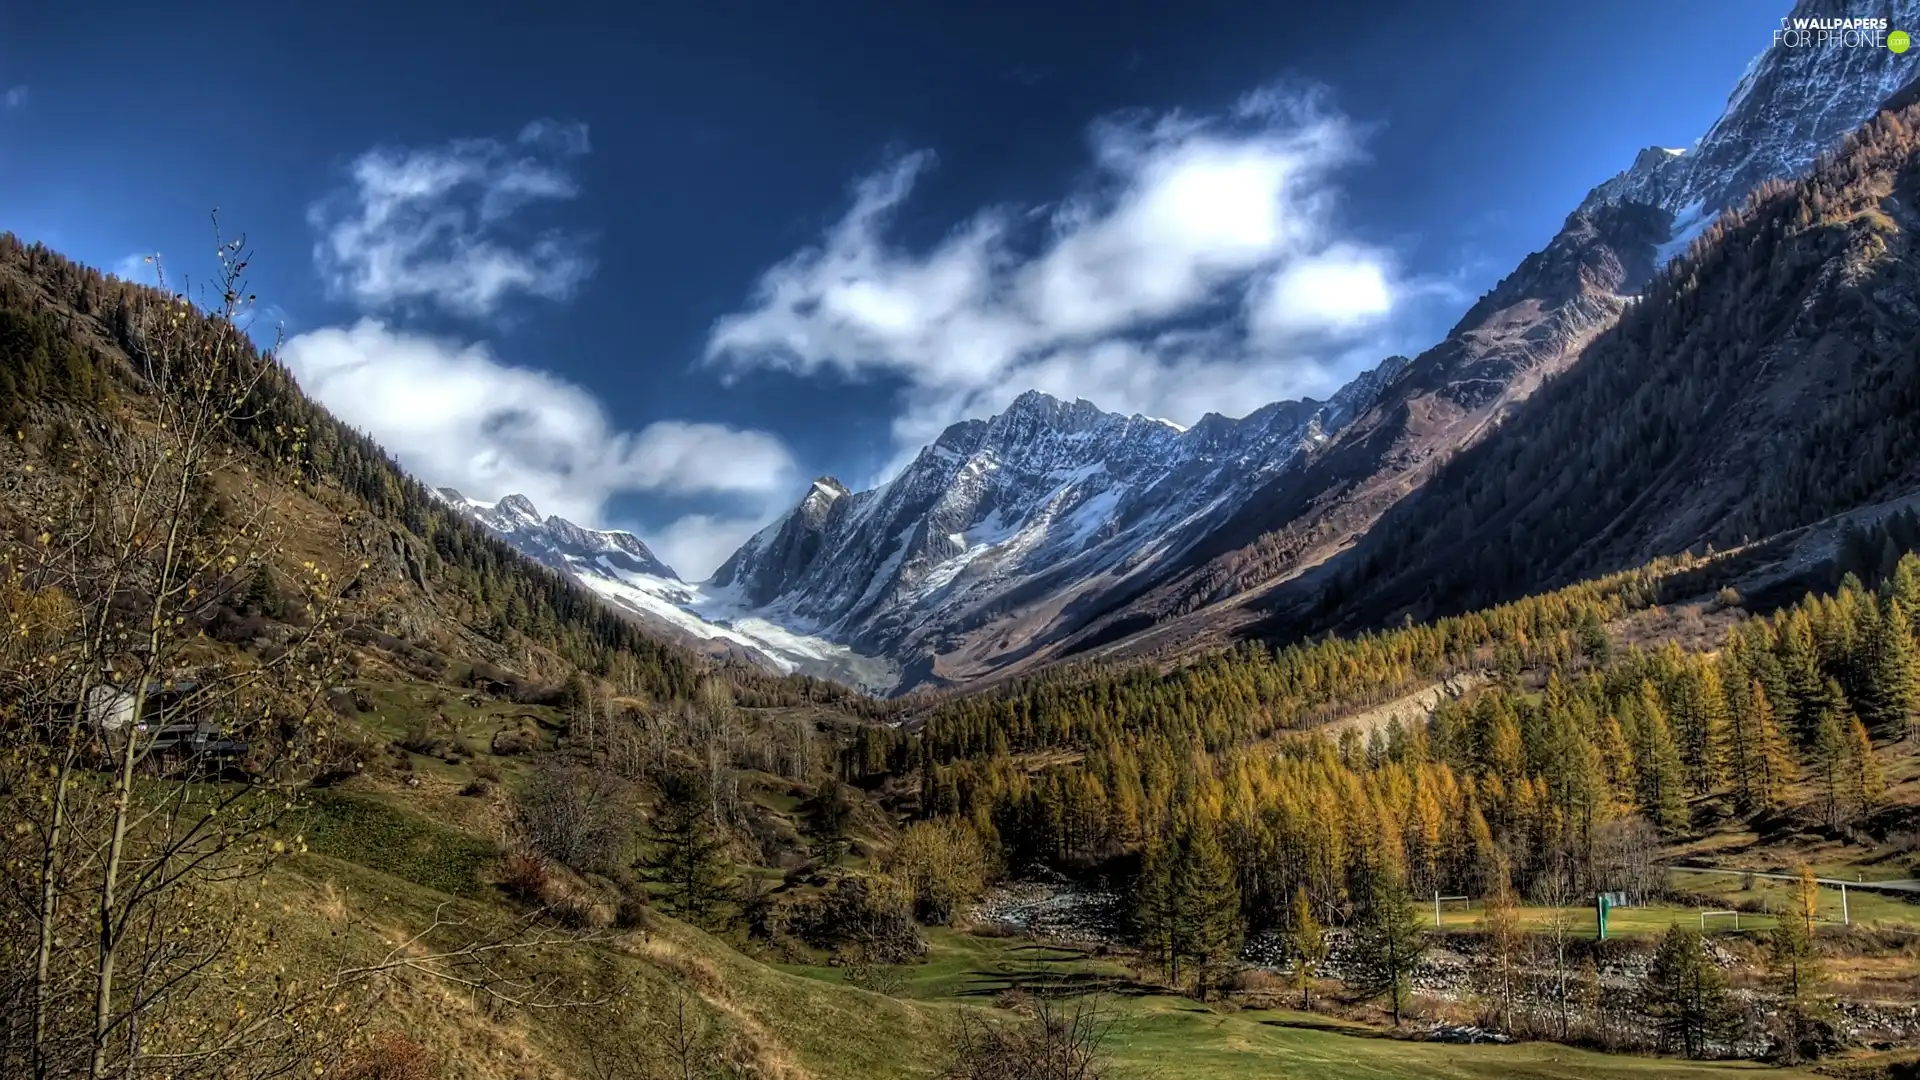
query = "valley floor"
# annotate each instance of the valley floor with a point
(1177, 1036)
(805, 1019)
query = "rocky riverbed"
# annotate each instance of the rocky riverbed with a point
(1053, 911)
(1450, 971)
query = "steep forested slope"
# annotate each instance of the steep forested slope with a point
(1767, 380)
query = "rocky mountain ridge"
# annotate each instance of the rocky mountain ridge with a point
(1037, 500)
(618, 567)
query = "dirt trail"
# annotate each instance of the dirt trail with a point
(1414, 707)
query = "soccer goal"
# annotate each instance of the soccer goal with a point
(1720, 917)
(1465, 902)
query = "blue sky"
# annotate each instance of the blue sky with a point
(657, 266)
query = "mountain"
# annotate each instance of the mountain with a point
(560, 543)
(1056, 529)
(1791, 106)
(440, 587)
(1002, 523)
(620, 569)
(1769, 380)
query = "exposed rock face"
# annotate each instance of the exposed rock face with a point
(999, 517)
(560, 543)
(1793, 104)
(619, 567)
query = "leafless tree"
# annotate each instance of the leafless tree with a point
(1060, 1042)
(1625, 858)
(1554, 891)
(582, 817)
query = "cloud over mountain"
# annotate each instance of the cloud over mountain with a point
(1203, 259)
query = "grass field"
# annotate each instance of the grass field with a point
(1178, 1037)
(1621, 922)
(1863, 907)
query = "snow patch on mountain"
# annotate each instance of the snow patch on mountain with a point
(619, 568)
(1791, 105)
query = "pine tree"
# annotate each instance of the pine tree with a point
(1156, 908)
(688, 854)
(1866, 781)
(1797, 976)
(1904, 585)
(1830, 753)
(1806, 687)
(263, 594)
(1658, 765)
(1891, 703)
(1594, 640)
(1209, 900)
(1686, 994)
(1616, 759)
(828, 814)
(1188, 906)
(1774, 769)
(1388, 939)
(1742, 744)
(1698, 722)
(1711, 753)
(1307, 943)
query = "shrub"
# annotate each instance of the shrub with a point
(580, 817)
(944, 864)
(525, 875)
(632, 913)
(578, 911)
(870, 913)
(1059, 1040)
(390, 1056)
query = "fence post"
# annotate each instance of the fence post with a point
(1436, 909)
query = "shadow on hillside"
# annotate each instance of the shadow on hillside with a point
(1329, 1026)
(1036, 969)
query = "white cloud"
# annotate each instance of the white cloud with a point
(442, 225)
(696, 545)
(1201, 269)
(457, 416)
(14, 98)
(142, 267)
(1340, 289)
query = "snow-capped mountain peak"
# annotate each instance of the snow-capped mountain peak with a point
(1046, 495)
(1794, 103)
(1009, 534)
(618, 566)
(560, 543)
